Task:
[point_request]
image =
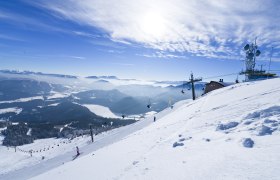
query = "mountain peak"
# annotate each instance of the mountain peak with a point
(36, 73)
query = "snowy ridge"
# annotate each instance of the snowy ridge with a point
(56, 95)
(10, 110)
(23, 99)
(230, 133)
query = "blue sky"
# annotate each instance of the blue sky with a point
(160, 39)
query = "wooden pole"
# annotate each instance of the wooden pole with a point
(193, 90)
(91, 133)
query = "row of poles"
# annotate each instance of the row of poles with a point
(191, 81)
(31, 151)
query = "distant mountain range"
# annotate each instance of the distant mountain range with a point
(34, 95)
(36, 73)
(40, 99)
(101, 78)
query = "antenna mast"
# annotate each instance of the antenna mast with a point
(252, 52)
(270, 59)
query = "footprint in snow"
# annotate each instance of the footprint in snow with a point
(206, 139)
(177, 144)
(135, 162)
(182, 139)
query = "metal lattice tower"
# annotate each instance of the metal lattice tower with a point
(251, 53)
(250, 61)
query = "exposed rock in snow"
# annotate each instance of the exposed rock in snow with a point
(248, 122)
(177, 144)
(207, 139)
(268, 121)
(265, 130)
(227, 126)
(135, 162)
(271, 111)
(248, 143)
(182, 139)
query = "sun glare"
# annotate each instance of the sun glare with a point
(153, 24)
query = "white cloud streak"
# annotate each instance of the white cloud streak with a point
(162, 54)
(208, 28)
(11, 38)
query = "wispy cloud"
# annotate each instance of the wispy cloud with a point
(209, 28)
(162, 54)
(114, 51)
(86, 34)
(75, 57)
(122, 64)
(26, 54)
(11, 38)
(106, 43)
(27, 22)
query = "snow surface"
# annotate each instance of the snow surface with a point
(9, 110)
(23, 99)
(101, 110)
(54, 104)
(185, 142)
(150, 113)
(56, 95)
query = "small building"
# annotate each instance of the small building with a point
(212, 85)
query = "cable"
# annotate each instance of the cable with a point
(220, 76)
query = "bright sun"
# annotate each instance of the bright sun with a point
(153, 24)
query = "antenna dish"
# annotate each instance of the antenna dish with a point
(246, 47)
(258, 52)
(250, 55)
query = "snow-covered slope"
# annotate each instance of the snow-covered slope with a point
(43, 148)
(9, 110)
(209, 138)
(101, 111)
